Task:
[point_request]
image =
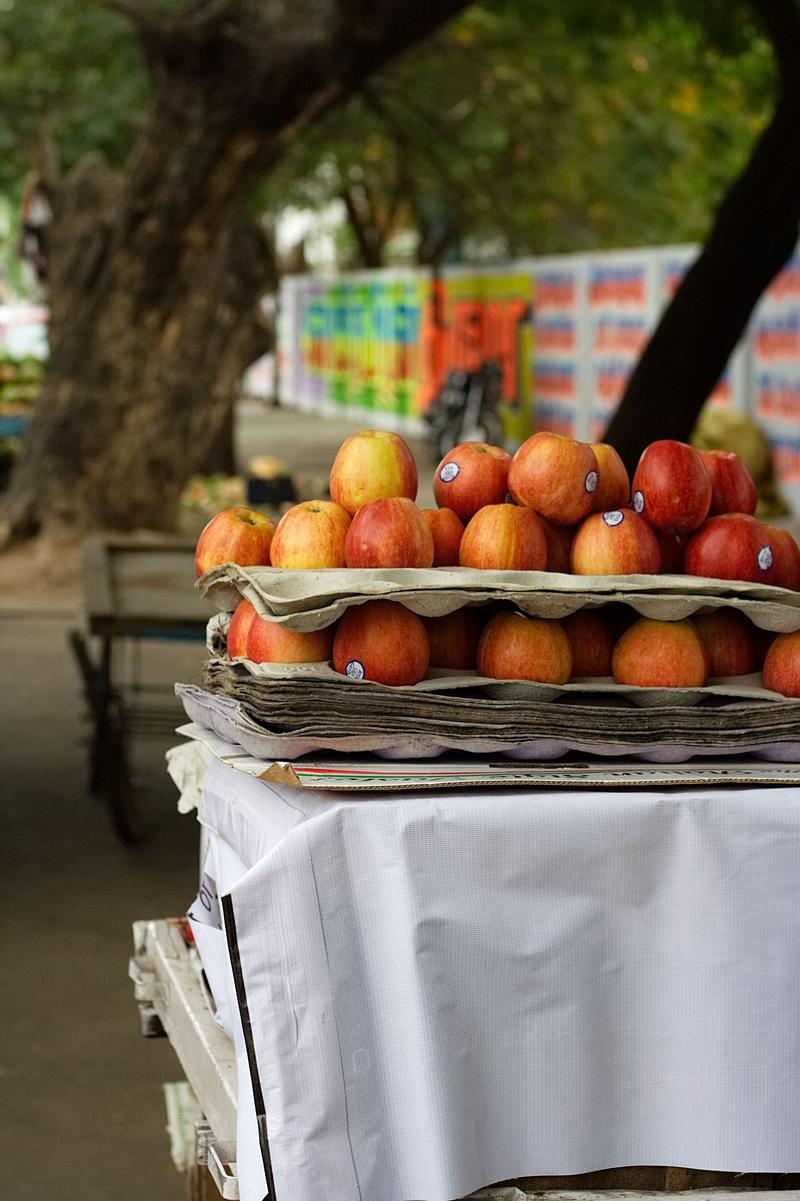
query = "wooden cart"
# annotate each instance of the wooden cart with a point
(135, 588)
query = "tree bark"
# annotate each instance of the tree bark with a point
(753, 235)
(156, 272)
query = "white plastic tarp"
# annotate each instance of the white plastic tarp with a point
(447, 990)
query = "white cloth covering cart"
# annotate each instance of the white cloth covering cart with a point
(428, 993)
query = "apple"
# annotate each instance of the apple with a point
(660, 654)
(389, 533)
(732, 487)
(672, 548)
(730, 640)
(782, 665)
(310, 536)
(271, 642)
(671, 487)
(559, 543)
(615, 543)
(592, 637)
(372, 465)
(514, 647)
(613, 486)
(732, 546)
(471, 475)
(556, 477)
(454, 638)
(237, 535)
(447, 531)
(243, 617)
(504, 538)
(787, 557)
(381, 641)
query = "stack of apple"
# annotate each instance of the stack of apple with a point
(557, 505)
(386, 643)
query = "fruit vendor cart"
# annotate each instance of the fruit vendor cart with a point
(328, 974)
(435, 975)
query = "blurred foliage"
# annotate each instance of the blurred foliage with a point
(530, 127)
(522, 127)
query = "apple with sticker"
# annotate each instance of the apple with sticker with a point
(470, 476)
(618, 542)
(557, 477)
(381, 641)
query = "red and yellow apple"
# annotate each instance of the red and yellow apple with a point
(613, 486)
(263, 641)
(733, 546)
(787, 557)
(660, 654)
(732, 487)
(389, 533)
(470, 476)
(559, 544)
(615, 543)
(557, 477)
(381, 641)
(730, 640)
(454, 638)
(782, 665)
(504, 538)
(592, 637)
(372, 465)
(236, 535)
(514, 647)
(243, 617)
(672, 548)
(447, 531)
(310, 536)
(671, 488)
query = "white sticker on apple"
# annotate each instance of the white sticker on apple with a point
(765, 558)
(614, 517)
(590, 483)
(638, 501)
(449, 472)
(355, 670)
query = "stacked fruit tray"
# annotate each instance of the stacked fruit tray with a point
(522, 616)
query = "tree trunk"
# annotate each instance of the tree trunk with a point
(754, 233)
(155, 273)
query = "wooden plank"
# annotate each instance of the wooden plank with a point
(97, 589)
(132, 585)
(204, 1050)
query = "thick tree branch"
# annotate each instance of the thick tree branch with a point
(754, 233)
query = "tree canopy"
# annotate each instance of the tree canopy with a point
(520, 127)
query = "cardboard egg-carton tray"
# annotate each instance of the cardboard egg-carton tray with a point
(311, 600)
(295, 709)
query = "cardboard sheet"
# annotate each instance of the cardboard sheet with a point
(364, 774)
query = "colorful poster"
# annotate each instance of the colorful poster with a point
(358, 345)
(622, 299)
(559, 338)
(775, 350)
(482, 315)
